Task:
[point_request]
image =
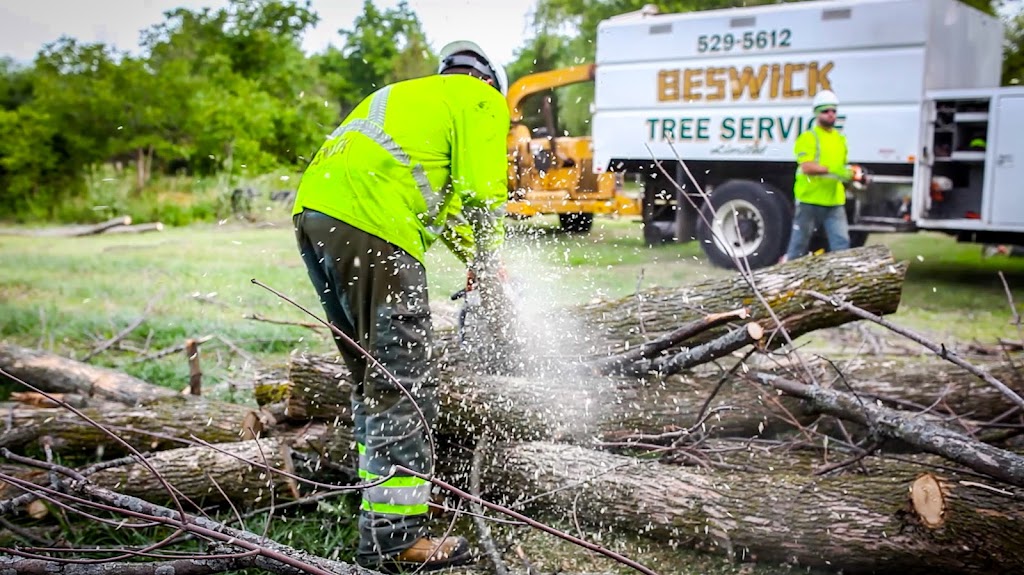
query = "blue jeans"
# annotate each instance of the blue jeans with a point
(807, 218)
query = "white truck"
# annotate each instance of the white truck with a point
(728, 91)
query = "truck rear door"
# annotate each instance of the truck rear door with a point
(1007, 159)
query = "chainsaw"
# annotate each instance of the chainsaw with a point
(489, 334)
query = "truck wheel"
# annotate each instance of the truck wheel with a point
(858, 239)
(659, 212)
(576, 223)
(747, 221)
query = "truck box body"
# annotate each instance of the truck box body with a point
(737, 84)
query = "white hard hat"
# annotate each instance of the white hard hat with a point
(825, 98)
(482, 63)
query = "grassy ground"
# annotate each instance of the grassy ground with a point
(70, 294)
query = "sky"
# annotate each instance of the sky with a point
(26, 25)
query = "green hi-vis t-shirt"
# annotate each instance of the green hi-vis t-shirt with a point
(829, 150)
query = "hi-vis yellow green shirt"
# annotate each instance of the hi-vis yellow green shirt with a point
(828, 148)
(418, 160)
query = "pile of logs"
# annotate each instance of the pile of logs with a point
(687, 416)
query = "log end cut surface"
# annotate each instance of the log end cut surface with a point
(929, 501)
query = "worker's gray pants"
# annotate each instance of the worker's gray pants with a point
(376, 293)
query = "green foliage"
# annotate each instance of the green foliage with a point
(1013, 55)
(226, 93)
(384, 46)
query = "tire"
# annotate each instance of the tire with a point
(858, 239)
(750, 218)
(576, 223)
(659, 213)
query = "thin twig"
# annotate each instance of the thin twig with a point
(308, 325)
(482, 528)
(124, 332)
(938, 349)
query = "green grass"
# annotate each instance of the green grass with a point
(952, 291)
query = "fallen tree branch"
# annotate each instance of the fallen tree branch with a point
(309, 325)
(935, 348)
(136, 228)
(199, 565)
(78, 230)
(269, 554)
(926, 436)
(55, 373)
(650, 349)
(714, 349)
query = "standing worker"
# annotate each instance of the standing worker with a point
(819, 189)
(415, 161)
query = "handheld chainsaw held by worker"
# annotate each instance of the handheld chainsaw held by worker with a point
(489, 331)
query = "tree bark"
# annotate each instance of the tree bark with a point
(137, 228)
(582, 407)
(868, 277)
(860, 524)
(209, 476)
(920, 433)
(157, 426)
(54, 373)
(79, 230)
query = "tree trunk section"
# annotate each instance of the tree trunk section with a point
(860, 524)
(209, 476)
(157, 426)
(868, 277)
(54, 373)
(582, 407)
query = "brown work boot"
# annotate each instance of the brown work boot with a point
(429, 554)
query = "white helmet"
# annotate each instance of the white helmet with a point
(482, 63)
(825, 98)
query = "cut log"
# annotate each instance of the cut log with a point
(157, 426)
(136, 228)
(78, 230)
(54, 373)
(860, 524)
(867, 277)
(582, 407)
(205, 475)
(209, 476)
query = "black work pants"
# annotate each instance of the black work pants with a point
(376, 294)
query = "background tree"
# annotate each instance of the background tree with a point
(383, 46)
